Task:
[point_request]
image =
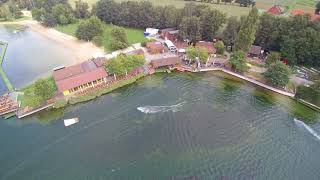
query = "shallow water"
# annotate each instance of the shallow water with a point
(30, 55)
(222, 129)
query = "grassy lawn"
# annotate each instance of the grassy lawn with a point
(134, 35)
(30, 98)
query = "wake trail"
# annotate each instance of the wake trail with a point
(159, 109)
(313, 132)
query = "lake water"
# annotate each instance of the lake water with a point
(167, 126)
(30, 55)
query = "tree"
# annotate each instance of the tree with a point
(5, 12)
(317, 8)
(273, 57)
(211, 21)
(278, 74)
(49, 20)
(131, 62)
(267, 31)
(115, 66)
(89, 28)
(247, 31)
(190, 28)
(196, 52)
(231, 31)
(81, 10)
(63, 14)
(14, 9)
(38, 13)
(44, 89)
(238, 61)
(119, 38)
(219, 47)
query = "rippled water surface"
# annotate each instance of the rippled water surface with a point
(167, 126)
(30, 55)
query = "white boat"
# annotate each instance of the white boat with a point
(68, 122)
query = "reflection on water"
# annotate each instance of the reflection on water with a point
(31, 55)
(222, 131)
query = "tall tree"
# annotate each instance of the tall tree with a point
(195, 52)
(211, 21)
(273, 57)
(267, 30)
(63, 14)
(317, 8)
(247, 31)
(190, 28)
(238, 61)
(119, 38)
(89, 28)
(231, 31)
(278, 74)
(81, 10)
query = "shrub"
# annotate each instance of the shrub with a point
(97, 40)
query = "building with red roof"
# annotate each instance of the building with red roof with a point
(276, 10)
(155, 47)
(79, 77)
(207, 45)
(312, 16)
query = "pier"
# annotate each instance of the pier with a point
(4, 46)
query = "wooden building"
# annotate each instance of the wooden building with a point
(79, 77)
(166, 62)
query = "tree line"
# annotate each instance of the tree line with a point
(195, 21)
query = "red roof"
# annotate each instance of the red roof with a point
(74, 76)
(136, 52)
(168, 61)
(314, 17)
(181, 44)
(297, 12)
(275, 10)
(207, 45)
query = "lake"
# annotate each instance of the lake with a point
(30, 55)
(165, 126)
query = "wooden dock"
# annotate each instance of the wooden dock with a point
(2, 73)
(21, 114)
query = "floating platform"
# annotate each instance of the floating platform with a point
(69, 122)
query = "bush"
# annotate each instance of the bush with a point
(220, 47)
(278, 74)
(97, 40)
(60, 103)
(89, 28)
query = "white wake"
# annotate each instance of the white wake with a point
(315, 134)
(158, 109)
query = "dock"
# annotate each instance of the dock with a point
(4, 46)
(22, 113)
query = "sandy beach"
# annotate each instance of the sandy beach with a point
(82, 50)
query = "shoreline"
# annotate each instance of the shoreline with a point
(81, 50)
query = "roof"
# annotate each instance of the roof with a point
(135, 52)
(167, 61)
(168, 30)
(275, 10)
(154, 45)
(80, 79)
(314, 17)
(297, 12)
(255, 50)
(208, 45)
(181, 44)
(76, 75)
(99, 61)
(169, 43)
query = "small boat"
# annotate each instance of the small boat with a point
(68, 122)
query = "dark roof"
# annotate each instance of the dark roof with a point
(76, 75)
(208, 45)
(255, 50)
(167, 61)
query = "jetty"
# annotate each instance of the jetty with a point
(253, 81)
(4, 46)
(27, 112)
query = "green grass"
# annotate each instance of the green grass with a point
(134, 35)
(30, 98)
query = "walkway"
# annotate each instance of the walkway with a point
(21, 114)
(3, 75)
(250, 80)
